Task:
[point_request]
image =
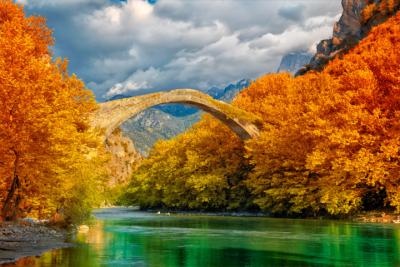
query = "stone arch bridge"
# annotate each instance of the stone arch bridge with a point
(112, 114)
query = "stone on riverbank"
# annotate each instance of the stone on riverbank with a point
(18, 240)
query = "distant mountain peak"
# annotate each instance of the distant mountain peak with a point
(294, 61)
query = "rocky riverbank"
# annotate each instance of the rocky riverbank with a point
(18, 240)
(377, 217)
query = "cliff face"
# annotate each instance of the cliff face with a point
(124, 158)
(292, 62)
(357, 19)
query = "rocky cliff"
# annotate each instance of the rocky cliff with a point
(357, 19)
(292, 62)
(124, 158)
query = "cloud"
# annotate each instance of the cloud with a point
(130, 46)
(292, 12)
(230, 58)
(138, 80)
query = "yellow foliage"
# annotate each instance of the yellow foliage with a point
(329, 144)
(44, 130)
(196, 170)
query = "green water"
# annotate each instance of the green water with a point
(129, 238)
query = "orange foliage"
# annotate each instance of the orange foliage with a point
(200, 169)
(43, 116)
(332, 137)
(329, 144)
(383, 8)
(369, 11)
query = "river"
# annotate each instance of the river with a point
(123, 237)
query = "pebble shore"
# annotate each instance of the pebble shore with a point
(23, 239)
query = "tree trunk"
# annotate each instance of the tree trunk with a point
(14, 213)
(9, 212)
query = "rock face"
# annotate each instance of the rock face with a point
(292, 62)
(229, 92)
(124, 158)
(352, 26)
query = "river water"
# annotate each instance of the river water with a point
(123, 237)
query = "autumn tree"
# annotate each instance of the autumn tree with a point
(329, 142)
(330, 139)
(382, 8)
(201, 169)
(364, 151)
(280, 181)
(44, 131)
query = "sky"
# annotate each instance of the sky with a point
(137, 46)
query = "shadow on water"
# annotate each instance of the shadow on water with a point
(131, 238)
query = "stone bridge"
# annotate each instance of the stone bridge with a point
(112, 114)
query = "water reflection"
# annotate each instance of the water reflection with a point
(121, 238)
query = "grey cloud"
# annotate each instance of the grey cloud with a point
(292, 12)
(132, 46)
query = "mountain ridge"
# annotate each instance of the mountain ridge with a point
(293, 61)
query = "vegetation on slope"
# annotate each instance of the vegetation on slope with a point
(329, 145)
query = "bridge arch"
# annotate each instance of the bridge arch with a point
(112, 114)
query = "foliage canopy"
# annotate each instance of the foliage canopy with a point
(329, 145)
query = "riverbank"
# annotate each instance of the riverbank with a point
(366, 216)
(123, 237)
(23, 239)
(377, 217)
(215, 213)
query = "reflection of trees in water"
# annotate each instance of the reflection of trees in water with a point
(173, 241)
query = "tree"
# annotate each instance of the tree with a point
(201, 169)
(329, 142)
(330, 139)
(44, 128)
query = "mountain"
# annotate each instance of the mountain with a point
(167, 121)
(124, 157)
(358, 18)
(292, 62)
(177, 110)
(154, 124)
(215, 92)
(229, 92)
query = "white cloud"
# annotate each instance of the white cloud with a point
(125, 47)
(138, 80)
